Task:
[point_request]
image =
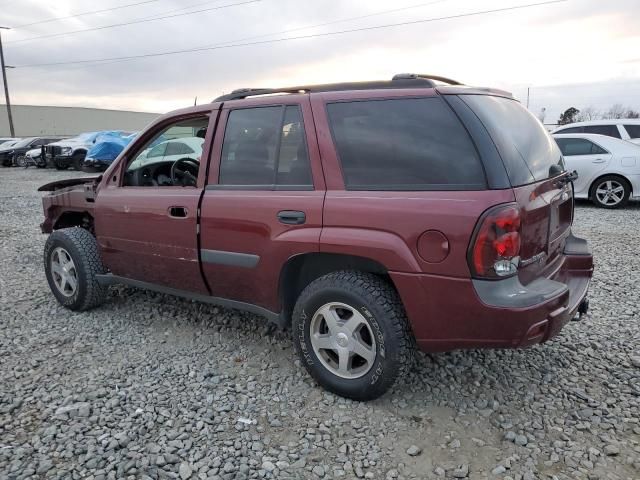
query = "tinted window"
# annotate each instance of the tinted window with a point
(265, 147)
(404, 144)
(578, 146)
(633, 130)
(570, 130)
(526, 148)
(608, 130)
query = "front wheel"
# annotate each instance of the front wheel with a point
(610, 191)
(352, 335)
(72, 261)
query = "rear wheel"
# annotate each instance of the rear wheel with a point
(77, 160)
(21, 161)
(72, 261)
(610, 191)
(352, 334)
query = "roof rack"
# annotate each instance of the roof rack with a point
(402, 80)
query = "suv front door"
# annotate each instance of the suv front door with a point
(147, 217)
(263, 202)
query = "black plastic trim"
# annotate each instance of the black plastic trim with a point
(510, 293)
(576, 246)
(277, 318)
(292, 188)
(233, 259)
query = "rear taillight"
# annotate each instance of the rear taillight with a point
(495, 251)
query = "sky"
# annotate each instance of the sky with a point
(580, 53)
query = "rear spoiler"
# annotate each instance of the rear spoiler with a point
(53, 186)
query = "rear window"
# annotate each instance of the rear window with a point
(633, 130)
(608, 130)
(527, 150)
(404, 144)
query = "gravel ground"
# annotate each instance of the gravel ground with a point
(149, 386)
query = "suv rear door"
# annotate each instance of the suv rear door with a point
(263, 201)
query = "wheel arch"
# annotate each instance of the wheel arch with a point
(300, 270)
(71, 218)
(592, 185)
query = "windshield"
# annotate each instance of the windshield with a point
(23, 143)
(87, 137)
(527, 150)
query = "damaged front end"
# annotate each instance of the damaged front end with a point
(70, 203)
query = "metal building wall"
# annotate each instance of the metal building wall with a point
(33, 120)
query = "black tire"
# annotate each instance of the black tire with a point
(378, 302)
(60, 166)
(77, 160)
(83, 249)
(610, 178)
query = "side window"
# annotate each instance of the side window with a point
(578, 146)
(265, 147)
(608, 130)
(170, 158)
(404, 144)
(633, 130)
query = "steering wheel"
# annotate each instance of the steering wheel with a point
(183, 174)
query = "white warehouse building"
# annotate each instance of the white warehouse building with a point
(36, 120)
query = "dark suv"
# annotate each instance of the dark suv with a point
(367, 217)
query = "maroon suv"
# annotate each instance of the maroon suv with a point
(365, 216)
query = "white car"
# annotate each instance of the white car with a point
(623, 128)
(608, 168)
(170, 151)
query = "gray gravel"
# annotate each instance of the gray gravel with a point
(148, 386)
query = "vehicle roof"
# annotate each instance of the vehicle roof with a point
(614, 121)
(611, 143)
(190, 141)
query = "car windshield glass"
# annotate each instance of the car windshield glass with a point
(87, 137)
(527, 149)
(23, 143)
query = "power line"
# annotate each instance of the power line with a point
(99, 63)
(133, 22)
(300, 37)
(81, 14)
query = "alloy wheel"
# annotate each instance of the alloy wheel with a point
(343, 340)
(610, 193)
(63, 271)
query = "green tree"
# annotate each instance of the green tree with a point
(568, 116)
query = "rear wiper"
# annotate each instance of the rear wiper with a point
(569, 177)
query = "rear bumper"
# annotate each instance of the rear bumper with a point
(450, 313)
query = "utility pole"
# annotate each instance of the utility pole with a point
(528, 88)
(6, 86)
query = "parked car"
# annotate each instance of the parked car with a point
(608, 168)
(72, 151)
(171, 151)
(34, 157)
(106, 150)
(366, 217)
(10, 155)
(623, 128)
(8, 141)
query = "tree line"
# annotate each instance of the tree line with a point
(572, 114)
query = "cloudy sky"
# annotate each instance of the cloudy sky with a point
(572, 53)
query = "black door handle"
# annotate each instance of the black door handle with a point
(178, 212)
(292, 217)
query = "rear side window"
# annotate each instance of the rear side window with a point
(265, 147)
(404, 144)
(633, 130)
(527, 150)
(608, 130)
(578, 146)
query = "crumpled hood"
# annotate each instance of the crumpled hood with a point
(70, 182)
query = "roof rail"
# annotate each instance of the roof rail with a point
(402, 80)
(437, 78)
